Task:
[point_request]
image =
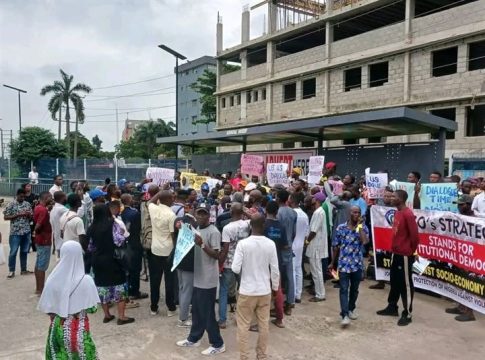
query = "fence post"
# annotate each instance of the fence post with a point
(31, 165)
(9, 170)
(149, 163)
(57, 166)
(116, 168)
(85, 171)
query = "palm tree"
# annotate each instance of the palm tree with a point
(65, 93)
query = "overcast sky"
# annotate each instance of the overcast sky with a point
(104, 43)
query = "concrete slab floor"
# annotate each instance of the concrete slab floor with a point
(312, 332)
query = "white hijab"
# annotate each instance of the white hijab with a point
(68, 290)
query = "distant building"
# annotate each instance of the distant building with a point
(189, 105)
(130, 126)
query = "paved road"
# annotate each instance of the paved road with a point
(313, 332)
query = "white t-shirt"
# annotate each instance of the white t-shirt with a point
(72, 225)
(318, 247)
(34, 177)
(232, 233)
(478, 205)
(55, 219)
(55, 188)
(302, 229)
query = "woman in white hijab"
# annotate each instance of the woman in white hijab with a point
(68, 296)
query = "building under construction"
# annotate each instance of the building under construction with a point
(318, 59)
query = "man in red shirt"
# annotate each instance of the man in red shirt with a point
(43, 239)
(405, 239)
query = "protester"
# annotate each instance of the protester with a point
(85, 212)
(287, 217)
(348, 260)
(33, 200)
(256, 260)
(33, 176)
(57, 186)
(317, 248)
(69, 295)
(71, 225)
(236, 230)
(56, 213)
(179, 202)
(206, 278)
(357, 200)
(405, 241)
(109, 275)
(132, 220)
(478, 205)
(162, 223)
(302, 232)
(43, 239)
(19, 213)
(435, 177)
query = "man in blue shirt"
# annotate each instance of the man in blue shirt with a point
(347, 248)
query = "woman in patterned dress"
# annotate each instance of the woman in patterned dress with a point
(68, 296)
(109, 276)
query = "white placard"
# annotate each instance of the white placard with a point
(315, 169)
(277, 174)
(376, 185)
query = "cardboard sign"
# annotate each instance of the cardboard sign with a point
(185, 242)
(439, 197)
(277, 174)
(160, 176)
(315, 169)
(252, 164)
(295, 158)
(406, 186)
(194, 181)
(376, 185)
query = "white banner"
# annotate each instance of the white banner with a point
(277, 174)
(160, 176)
(315, 169)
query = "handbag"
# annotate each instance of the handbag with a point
(2, 255)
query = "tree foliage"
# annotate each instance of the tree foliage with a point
(96, 141)
(143, 142)
(85, 148)
(35, 143)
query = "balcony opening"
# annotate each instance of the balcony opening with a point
(449, 114)
(378, 74)
(309, 88)
(376, 140)
(289, 92)
(263, 94)
(350, 141)
(476, 55)
(428, 7)
(231, 64)
(256, 56)
(475, 121)
(444, 61)
(353, 79)
(370, 20)
(300, 42)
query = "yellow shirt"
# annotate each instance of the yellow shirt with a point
(162, 219)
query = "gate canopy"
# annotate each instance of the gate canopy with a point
(375, 123)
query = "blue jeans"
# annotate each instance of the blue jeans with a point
(227, 280)
(16, 242)
(348, 297)
(288, 281)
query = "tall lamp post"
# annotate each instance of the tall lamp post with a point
(177, 57)
(20, 109)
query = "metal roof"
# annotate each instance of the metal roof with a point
(374, 123)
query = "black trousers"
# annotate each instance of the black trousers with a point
(135, 270)
(158, 266)
(402, 283)
(204, 317)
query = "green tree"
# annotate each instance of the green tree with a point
(96, 141)
(85, 149)
(143, 142)
(66, 93)
(35, 143)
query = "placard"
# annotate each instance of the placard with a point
(185, 242)
(439, 196)
(315, 169)
(252, 164)
(160, 176)
(407, 187)
(194, 181)
(376, 185)
(277, 174)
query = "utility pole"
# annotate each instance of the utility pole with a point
(20, 107)
(1, 142)
(117, 127)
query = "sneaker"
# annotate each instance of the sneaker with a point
(11, 275)
(465, 317)
(222, 325)
(171, 313)
(187, 343)
(214, 351)
(388, 311)
(298, 301)
(345, 321)
(353, 315)
(454, 310)
(154, 312)
(26, 272)
(184, 324)
(404, 320)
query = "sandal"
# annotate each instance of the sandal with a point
(108, 319)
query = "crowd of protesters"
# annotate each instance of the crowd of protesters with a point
(254, 247)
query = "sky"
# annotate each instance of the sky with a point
(106, 43)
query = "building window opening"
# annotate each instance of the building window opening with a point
(476, 55)
(445, 61)
(248, 97)
(263, 94)
(350, 141)
(475, 121)
(255, 95)
(231, 101)
(256, 56)
(449, 114)
(309, 88)
(300, 42)
(238, 99)
(353, 79)
(378, 74)
(289, 92)
(223, 102)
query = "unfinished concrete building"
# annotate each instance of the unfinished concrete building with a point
(321, 58)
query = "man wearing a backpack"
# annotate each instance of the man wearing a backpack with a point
(72, 226)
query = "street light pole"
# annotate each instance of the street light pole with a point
(20, 107)
(177, 57)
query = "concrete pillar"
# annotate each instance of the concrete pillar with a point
(270, 56)
(243, 105)
(326, 81)
(364, 80)
(272, 17)
(410, 11)
(219, 72)
(461, 67)
(244, 64)
(328, 40)
(245, 25)
(407, 77)
(299, 90)
(219, 34)
(269, 102)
